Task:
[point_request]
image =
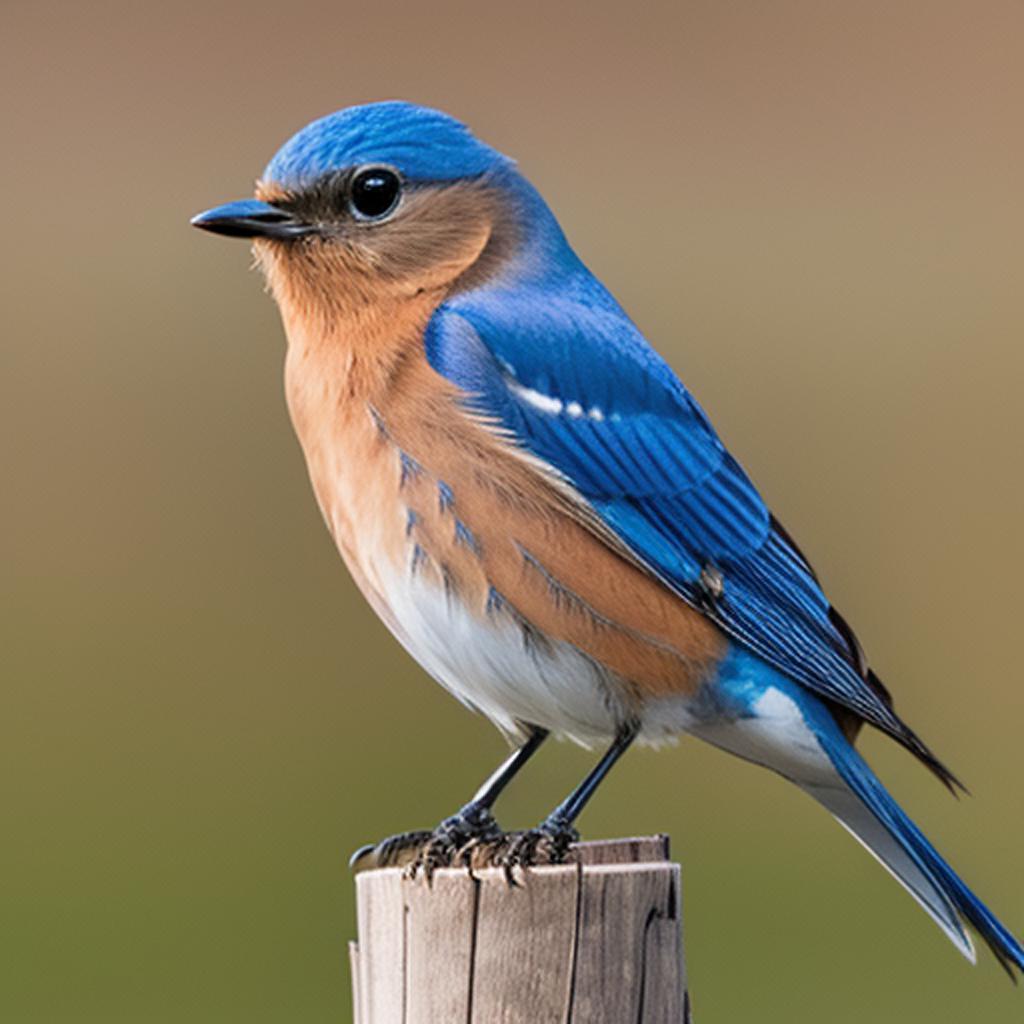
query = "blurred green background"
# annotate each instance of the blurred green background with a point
(201, 718)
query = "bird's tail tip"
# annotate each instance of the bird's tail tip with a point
(868, 811)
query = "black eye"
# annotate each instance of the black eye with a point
(374, 193)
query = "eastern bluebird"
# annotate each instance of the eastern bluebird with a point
(537, 507)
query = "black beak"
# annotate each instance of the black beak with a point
(251, 218)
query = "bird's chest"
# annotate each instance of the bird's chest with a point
(355, 473)
(437, 551)
(475, 561)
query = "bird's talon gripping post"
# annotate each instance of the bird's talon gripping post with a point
(466, 857)
(549, 843)
(395, 851)
(559, 834)
(423, 853)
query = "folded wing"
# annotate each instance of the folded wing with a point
(572, 381)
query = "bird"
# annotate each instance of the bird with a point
(539, 510)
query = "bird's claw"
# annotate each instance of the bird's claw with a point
(471, 839)
(425, 852)
(394, 852)
(549, 843)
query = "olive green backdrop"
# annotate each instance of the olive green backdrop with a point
(814, 209)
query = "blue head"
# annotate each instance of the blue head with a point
(389, 193)
(423, 145)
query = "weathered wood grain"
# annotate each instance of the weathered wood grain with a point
(380, 916)
(635, 850)
(525, 946)
(353, 967)
(619, 906)
(595, 941)
(440, 939)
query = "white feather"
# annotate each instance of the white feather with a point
(485, 660)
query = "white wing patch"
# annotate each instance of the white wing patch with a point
(545, 403)
(553, 406)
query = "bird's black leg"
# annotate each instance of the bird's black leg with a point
(471, 824)
(550, 841)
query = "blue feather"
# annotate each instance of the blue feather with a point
(935, 870)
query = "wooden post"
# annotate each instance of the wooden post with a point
(595, 941)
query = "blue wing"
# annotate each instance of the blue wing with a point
(573, 380)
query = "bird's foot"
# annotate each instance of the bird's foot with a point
(549, 843)
(451, 842)
(394, 852)
(424, 852)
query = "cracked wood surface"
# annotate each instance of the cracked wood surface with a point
(596, 941)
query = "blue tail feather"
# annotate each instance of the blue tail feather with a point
(913, 843)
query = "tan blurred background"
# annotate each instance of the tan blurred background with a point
(201, 718)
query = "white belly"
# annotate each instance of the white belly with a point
(496, 666)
